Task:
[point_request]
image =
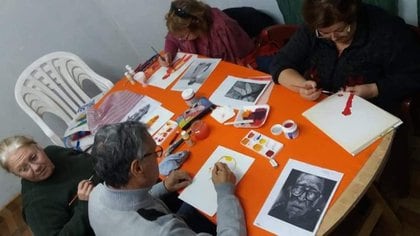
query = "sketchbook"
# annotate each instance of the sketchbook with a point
(351, 121)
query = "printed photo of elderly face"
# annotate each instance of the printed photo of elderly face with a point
(302, 199)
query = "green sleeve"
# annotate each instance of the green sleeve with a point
(60, 220)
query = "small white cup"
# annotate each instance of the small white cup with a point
(189, 96)
(288, 127)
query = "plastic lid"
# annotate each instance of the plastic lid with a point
(184, 134)
(188, 94)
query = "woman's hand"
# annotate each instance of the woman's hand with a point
(83, 189)
(165, 59)
(177, 180)
(364, 90)
(309, 91)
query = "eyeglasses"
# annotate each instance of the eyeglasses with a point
(180, 12)
(158, 152)
(343, 32)
(311, 194)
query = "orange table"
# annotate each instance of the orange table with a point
(312, 146)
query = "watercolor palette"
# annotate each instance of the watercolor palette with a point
(167, 129)
(261, 144)
(258, 114)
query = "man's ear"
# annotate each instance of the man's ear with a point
(136, 168)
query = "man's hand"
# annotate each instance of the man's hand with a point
(83, 189)
(177, 180)
(222, 174)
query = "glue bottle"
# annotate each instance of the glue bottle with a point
(129, 74)
(130, 70)
(139, 76)
(187, 138)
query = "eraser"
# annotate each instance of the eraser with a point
(273, 163)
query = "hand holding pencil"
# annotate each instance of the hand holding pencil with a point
(84, 188)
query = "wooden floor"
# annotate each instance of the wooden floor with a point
(11, 221)
(407, 209)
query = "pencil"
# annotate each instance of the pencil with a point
(75, 196)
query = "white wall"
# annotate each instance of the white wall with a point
(107, 34)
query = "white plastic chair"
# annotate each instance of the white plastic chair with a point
(54, 84)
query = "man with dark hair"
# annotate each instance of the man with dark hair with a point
(298, 204)
(127, 202)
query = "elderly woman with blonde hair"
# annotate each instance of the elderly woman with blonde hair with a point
(54, 183)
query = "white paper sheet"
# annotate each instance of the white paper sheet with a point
(198, 72)
(283, 212)
(149, 111)
(157, 79)
(363, 124)
(201, 193)
(238, 92)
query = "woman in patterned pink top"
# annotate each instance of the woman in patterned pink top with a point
(195, 27)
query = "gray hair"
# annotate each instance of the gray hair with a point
(115, 147)
(10, 145)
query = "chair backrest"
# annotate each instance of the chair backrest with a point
(55, 84)
(242, 15)
(291, 9)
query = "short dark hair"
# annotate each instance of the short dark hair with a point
(114, 149)
(324, 13)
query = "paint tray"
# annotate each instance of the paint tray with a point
(258, 114)
(261, 144)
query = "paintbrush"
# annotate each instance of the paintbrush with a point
(238, 122)
(302, 87)
(157, 53)
(75, 196)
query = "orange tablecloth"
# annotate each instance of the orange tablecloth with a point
(312, 146)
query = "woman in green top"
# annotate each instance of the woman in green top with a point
(55, 185)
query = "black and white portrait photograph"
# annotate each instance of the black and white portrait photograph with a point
(298, 200)
(302, 199)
